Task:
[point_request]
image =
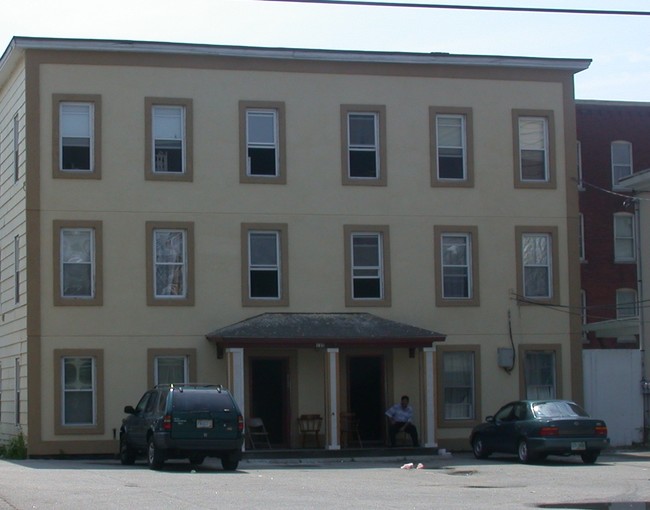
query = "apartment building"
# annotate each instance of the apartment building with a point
(321, 231)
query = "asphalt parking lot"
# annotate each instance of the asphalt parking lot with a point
(618, 480)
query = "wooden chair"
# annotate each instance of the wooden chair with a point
(350, 429)
(309, 425)
(256, 432)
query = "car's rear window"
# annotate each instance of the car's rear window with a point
(201, 400)
(558, 410)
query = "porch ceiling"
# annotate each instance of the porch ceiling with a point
(293, 330)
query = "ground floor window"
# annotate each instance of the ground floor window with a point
(457, 368)
(540, 375)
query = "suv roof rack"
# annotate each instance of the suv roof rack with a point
(182, 386)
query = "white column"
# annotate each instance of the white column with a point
(332, 395)
(430, 398)
(235, 360)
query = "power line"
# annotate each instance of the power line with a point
(547, 10)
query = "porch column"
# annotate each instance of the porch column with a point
(331, 399)
(235, 361)
(429, 398)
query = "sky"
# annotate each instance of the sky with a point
(619, 46)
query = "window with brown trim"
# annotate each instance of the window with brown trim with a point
(265, 264)
(170, 263)
(78, 265)
(456, 263)
(537, 264)
(452, 153)
(262, 142)
(168, 139)
(540, 371)
(367, 265)
(534, 144)
(363, 142)
(76, 136)
(458, 380)
(78, 391)
(168, 366)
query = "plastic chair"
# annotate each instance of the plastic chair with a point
(350, 429)
(310, 424)
(256, 432)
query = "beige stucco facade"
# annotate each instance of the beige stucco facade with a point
(123, 327)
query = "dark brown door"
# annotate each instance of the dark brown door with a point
(269, 397)
(366, 396)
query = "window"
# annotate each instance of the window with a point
(540, 373)
(265, 279)
(456, 262)
(76, 136)
(170, 263)
(262, 142)
(583, 306)
(581, 237)
(621, 161)
(368, 282)
(364, 140)
(537, 255)
(581, 186)
(451, 147)
(624, 239)
(167, 366)
(78, 257)
(626, 303)
(534, 151)
(17, 390)
(16, 148)
(168, 139)
(458, 403)
(17, 269)
(78, 391)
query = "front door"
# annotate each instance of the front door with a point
(366, 396)
(269, 397)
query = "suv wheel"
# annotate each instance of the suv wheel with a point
(155, 457)
(230, 462)
(127, 454)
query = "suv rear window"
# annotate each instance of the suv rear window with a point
(198, 400)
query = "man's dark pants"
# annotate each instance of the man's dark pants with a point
(409, 429)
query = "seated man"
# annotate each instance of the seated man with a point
(401, 416)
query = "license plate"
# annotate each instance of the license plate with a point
(578, 445)
(203, 424)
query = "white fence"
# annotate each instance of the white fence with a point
(612, 385)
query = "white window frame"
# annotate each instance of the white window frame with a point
(183, 265)
(16, 147)
(16, 269)
(621, 169)
(258, 267)
(378, 270)
(186, 367)
(626, 303)
(92, 390)
(620, 238)
(523, 147)
(451, 408)
(463, 147)
(91, 262)
(157, 110)
(467, 238)
(532, 265)
(90, 118)
(374, 147)
(275, 144)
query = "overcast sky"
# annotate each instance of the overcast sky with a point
(618, 45)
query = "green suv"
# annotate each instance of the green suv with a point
(176, 421)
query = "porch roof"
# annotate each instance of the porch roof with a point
(292, 330)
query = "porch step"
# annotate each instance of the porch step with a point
(346, 453)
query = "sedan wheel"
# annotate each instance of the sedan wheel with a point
(480, 452)
(590, 457)
(155, 457)
(523, 453)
